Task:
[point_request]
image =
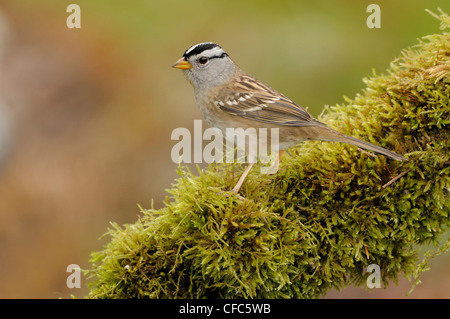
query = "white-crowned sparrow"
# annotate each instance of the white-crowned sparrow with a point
(230, 98)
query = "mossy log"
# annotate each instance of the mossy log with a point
(329, 212)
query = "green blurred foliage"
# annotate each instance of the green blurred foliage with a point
(302, 48)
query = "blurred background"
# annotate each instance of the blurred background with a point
(86, 114)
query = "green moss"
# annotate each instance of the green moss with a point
(319, 222)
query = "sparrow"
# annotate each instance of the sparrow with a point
(228, 97)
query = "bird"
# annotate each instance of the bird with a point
(228, 97)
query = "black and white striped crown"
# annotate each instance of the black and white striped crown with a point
(212, 50)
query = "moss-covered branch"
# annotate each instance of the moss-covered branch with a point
(321, 220)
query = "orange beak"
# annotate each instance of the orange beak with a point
(182, 64)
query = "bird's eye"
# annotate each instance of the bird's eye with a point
(203, 60)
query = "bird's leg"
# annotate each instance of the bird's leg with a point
(242, 178)
(249, 167)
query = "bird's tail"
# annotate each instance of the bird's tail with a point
(339, 137)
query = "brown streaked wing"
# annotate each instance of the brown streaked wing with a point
(255, 100)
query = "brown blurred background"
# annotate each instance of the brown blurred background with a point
(86, 114)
